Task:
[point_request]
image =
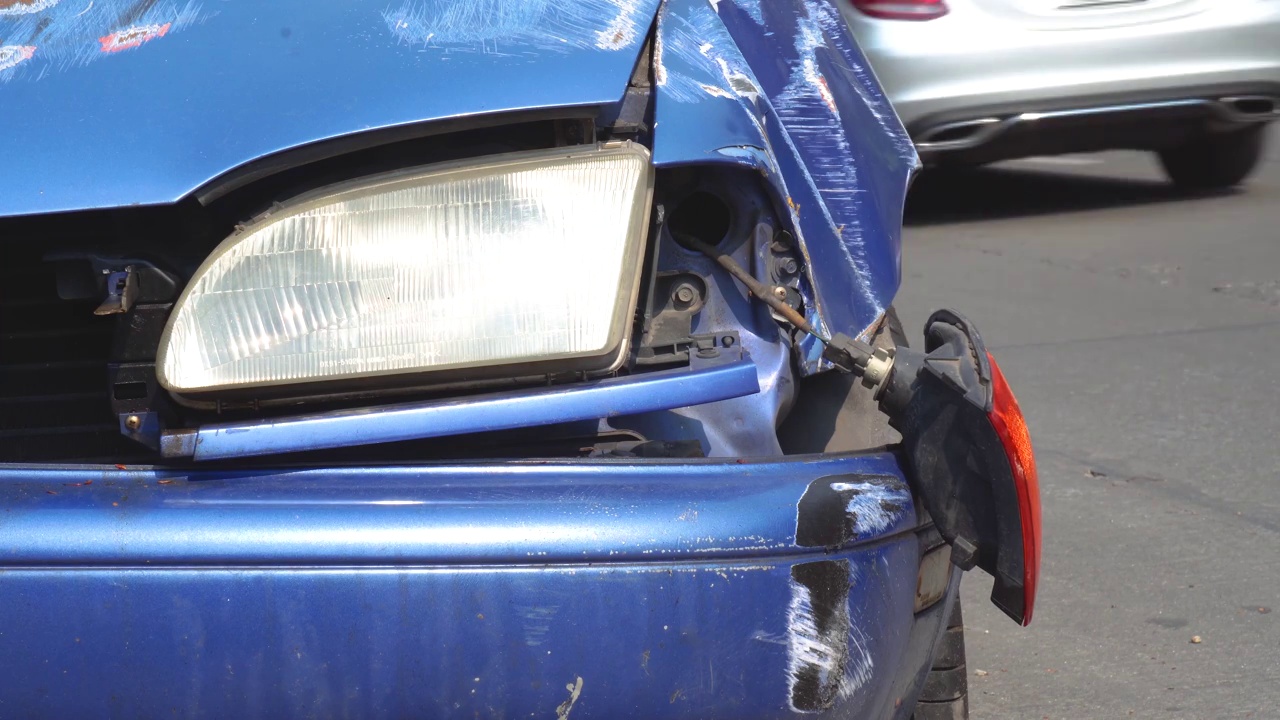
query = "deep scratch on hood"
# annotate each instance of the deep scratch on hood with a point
(523, 27)
(65, 35)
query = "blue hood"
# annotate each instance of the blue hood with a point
(107, 103)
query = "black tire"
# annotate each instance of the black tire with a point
(945, 695)
(1214, 161)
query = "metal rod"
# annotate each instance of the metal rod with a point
(757, 288)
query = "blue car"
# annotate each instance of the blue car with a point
(478, 358)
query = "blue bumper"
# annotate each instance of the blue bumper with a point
(603, 589)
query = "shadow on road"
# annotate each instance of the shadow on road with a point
(961, 195)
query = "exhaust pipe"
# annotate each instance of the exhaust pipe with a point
(960, 135)
(1249, 108)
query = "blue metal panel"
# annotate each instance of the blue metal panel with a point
(604, 589)
(121, 102)
(781, 87)
(482, 413)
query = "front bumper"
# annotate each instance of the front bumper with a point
(970, 64)
(606, 589)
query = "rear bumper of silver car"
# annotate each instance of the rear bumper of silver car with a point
(966, 78)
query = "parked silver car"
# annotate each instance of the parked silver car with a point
(976, 81)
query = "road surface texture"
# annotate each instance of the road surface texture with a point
(1140, 330)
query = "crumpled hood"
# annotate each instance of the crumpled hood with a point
(106, 103)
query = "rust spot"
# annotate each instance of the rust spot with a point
(79, 484)
(121, 467)
(165, 482)
(51, 492)
(6, 4)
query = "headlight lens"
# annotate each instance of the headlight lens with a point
(527, 257)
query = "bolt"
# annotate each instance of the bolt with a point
(708, 353)
(685, 294)
(133, 422)
(780, 292)
(789, 266)
(727, 341)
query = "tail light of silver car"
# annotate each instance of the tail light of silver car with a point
(902, 9)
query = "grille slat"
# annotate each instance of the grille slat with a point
(54, 399)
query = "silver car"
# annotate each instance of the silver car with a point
(976, 81)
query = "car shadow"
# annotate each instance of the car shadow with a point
(992, 193)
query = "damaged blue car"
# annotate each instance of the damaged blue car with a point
(478, 358)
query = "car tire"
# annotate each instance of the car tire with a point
(945, 695)
(1214, 161)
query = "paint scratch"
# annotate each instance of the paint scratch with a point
(527, 27)
(827, 658)
(133, 37)
(566, 707)
(685, 44)
(25, 7)
(72, 36)
(875, 507)
(13, 55)
(621, 31)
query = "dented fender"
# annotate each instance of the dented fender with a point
(781, 87)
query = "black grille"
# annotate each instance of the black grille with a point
(54, 402)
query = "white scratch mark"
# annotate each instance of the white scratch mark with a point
(566, 707)
(503, 27)
(687, 42)
(714, 91)
(70, 38)
(829, 659)
(12, 55)
(621, 31)
(537, 622)
(808, 648)
(19, 8)
(873, 505)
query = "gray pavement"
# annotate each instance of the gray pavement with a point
(1141, 332)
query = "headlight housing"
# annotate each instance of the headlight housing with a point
(523, 258)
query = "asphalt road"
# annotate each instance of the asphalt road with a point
(1140, 330)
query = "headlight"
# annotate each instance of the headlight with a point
(526, 257)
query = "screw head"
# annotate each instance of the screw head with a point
(780, 292)
(133, 422)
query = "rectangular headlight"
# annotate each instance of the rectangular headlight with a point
(523, 258)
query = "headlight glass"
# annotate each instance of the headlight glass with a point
(526, 257)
